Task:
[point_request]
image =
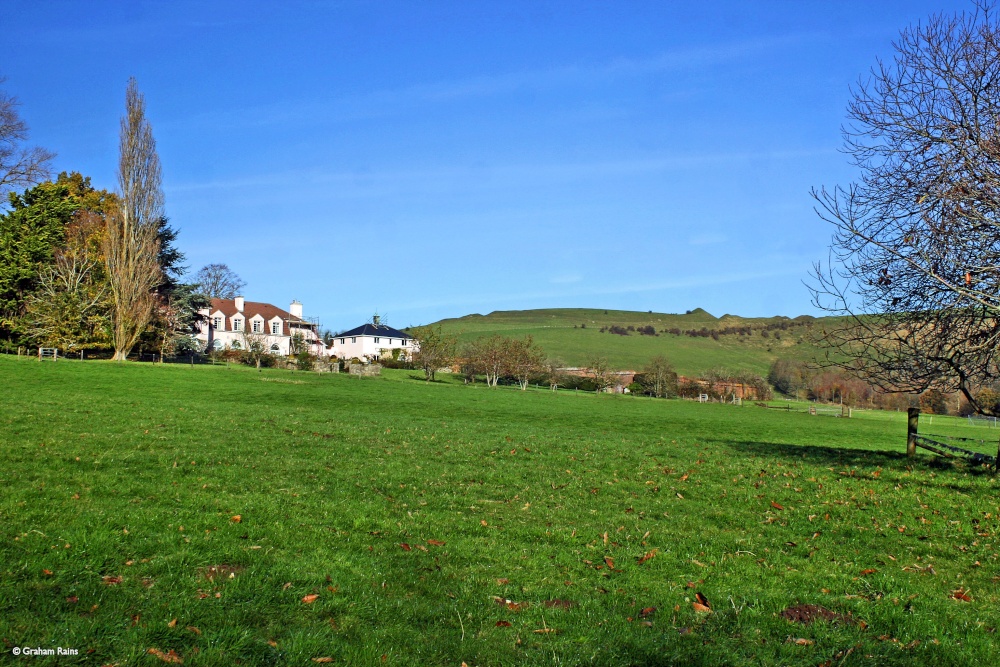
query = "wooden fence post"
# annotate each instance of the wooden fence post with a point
(913, 416)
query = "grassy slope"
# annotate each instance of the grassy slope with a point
(558, 331)
(135, 472)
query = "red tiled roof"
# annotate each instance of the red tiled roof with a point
(252, 309)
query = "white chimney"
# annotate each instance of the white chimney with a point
(239, 304)
(295, 310)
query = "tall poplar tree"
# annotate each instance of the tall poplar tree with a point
(131, 244)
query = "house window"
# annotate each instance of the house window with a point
(354, 340)
(376, 340)
(217, 323)
(217, 344)
(237, 325)
(341, 341)
(275, 348)
(275, 327)
(258, 326)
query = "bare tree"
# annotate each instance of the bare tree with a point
(435, 349)
(489, 355)
(659, 378)
(553, 373)
(218, 281)
(255, 347)
(19, 166)
(602, 374)
(131, 245)
(524, 360)
(915, 259)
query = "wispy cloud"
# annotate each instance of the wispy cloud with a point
(708, 239)
(352, 184)
(381, 103)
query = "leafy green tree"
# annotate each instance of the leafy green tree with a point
(30, 234)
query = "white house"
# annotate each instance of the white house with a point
(371, 341)
(232, 323)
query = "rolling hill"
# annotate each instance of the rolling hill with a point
(693, 342)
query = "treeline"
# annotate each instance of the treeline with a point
(764, 331)
(83, 268)
(56, 288)
(804, 381)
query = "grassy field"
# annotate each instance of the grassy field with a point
(574, 335)
(221, 516)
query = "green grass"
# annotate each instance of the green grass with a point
(560, 332)
(135, 472)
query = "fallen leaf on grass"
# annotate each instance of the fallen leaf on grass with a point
(960, 594)
(172, 624)
(776, 506)
(309, 599)
(698, 607)
(193, 629)
(323, 659)
(272, 643)
(482, 522)
(702, 600)
(406, 547)
(47, 573)
(800, 641)
(287, 585)
(236, 518)
(111, 581)
(503, 581)
(609, 562)
(169, 656)
(647, 556)
(545, 631)
(72, 599)
(647, 611)
(435, 543)
(503, 624)
(561, 604)
(510, 604)
(865, 573)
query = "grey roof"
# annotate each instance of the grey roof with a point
(369, 329)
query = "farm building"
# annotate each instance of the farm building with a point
(232, 323)
(371, 341)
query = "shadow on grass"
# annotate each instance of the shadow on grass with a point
(850, 457)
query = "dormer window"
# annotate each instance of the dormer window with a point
(217, 323)
(258, 326)
(275, 328)
(237, 325)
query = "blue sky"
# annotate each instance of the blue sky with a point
(434, 159)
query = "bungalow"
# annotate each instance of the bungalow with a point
(233, 323)
(371, 341)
